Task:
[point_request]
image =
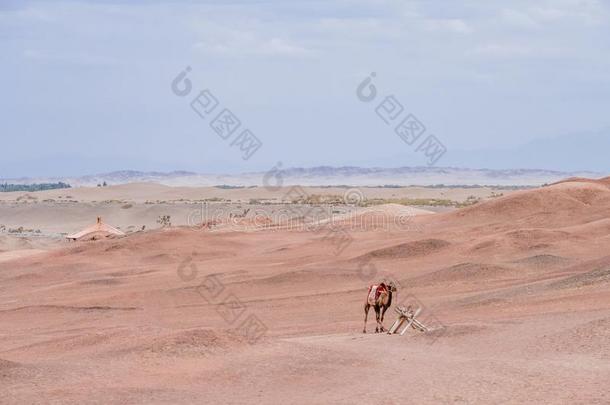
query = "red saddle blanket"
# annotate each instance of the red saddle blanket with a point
(374, 293)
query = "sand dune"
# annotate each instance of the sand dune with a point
(422, 247)
(465, 272)
(543, 261)
(566, 203)
(516, 288)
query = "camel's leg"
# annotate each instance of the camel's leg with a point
(366, 315)
(383, 309)
(377, 317)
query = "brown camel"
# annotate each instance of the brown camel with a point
(381, 299)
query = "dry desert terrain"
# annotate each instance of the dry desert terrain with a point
(515, 290)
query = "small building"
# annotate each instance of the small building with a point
(96, 232)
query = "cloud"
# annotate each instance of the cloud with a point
(453, 25)
(588, 12)
(519, 19)
(290, 69)
(71, 58)
(244, 45)
(502, 50)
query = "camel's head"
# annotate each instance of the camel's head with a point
(392, 286)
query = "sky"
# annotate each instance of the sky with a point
(88, 85)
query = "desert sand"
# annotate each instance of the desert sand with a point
(129, 207)
(514, 288)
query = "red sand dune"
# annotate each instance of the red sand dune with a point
(520, 283)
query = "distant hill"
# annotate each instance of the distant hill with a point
(327, 176)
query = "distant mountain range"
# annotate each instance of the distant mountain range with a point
(326, 176)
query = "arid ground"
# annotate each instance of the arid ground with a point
(515, 289)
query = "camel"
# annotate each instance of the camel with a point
(380, 299)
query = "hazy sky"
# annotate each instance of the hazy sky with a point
(87, 84)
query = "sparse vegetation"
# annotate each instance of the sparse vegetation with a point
(422, 202)
(319, 199)
(242, 215)
(471, 200)
(431, 202)
(21, 229)
(334, 199)
(25, 198)
(6, 187)
(164, 220)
